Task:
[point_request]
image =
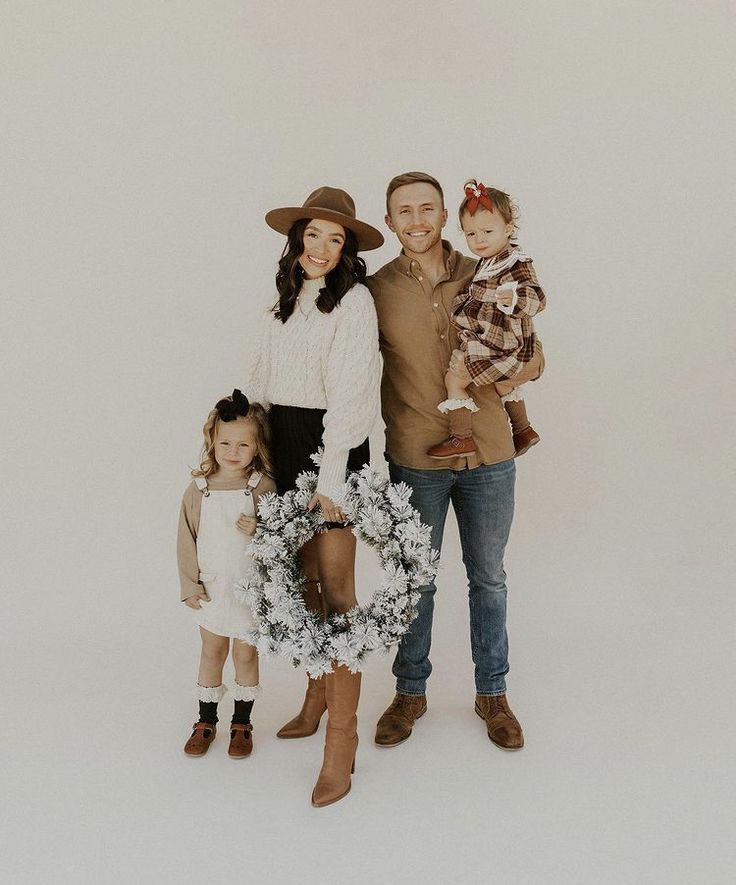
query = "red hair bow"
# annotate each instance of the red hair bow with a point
(478, 196)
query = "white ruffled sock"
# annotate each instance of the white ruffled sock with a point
(245, 692)
(449, 405)
(211, 694)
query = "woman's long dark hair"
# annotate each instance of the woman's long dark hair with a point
(349, 270)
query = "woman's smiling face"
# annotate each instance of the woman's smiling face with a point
(323, 243)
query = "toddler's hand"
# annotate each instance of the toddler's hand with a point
(196, 601)
(505, 295)
(247, 525)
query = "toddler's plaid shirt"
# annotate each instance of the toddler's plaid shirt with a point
(498, 341)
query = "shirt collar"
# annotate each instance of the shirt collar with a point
(410, 267)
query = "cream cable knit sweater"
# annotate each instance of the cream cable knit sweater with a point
(326, 361)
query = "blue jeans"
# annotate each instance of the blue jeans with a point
(483, 500)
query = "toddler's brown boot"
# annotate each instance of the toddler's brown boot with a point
(452, 447)
(524, 440)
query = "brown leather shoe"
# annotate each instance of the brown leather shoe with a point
(524, 440)
(241, 741)
(395, 726)
(502, 726)
(452, 447)
(202, 736)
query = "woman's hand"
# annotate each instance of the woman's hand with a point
(331, 511)
(196, 601)
(247, 525)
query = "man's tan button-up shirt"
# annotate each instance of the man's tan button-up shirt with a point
(417, 339)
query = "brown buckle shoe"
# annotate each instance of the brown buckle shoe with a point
(452, 447)
(202, 736)
(502, 726)
(524, 440)
(395, 726)
(241, 741)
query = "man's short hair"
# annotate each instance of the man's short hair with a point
(412, 178)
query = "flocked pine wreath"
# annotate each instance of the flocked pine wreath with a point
(383, 518)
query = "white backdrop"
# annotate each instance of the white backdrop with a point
(142, 144)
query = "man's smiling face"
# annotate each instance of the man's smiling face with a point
(416, 215)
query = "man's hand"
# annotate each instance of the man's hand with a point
(331, 511)
(458, 367)
(247, 525)
(196, 601)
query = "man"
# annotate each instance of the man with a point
(413, 296)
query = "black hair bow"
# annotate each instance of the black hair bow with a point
(231, 408)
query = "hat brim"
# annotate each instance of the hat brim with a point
(281, 220)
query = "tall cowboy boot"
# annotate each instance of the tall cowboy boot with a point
(306, 721)
(341, 741)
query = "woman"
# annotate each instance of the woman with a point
(318, 363)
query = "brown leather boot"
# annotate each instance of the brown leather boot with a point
(306, 721)
(241, 741)
(395, 726)
(202, 736)
(452, 447)
(342, 690)
(502, 726)
(524, 440)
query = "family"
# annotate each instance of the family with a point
(441, 343)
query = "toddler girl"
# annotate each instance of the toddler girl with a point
(493, 317)
(216, 523)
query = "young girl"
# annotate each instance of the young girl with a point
(494, 320)
(216, 523)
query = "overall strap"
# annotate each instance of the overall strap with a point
(201, 483)
(255, 478)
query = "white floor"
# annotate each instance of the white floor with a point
(626, 776)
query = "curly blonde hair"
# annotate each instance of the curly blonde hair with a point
(506, 205)
(262, 462)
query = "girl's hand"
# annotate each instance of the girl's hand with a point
(196, 601)
(247, 525)
(506, 295)
(331, 511)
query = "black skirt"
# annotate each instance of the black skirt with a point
(296, 434)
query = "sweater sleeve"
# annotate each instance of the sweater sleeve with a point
(528, 298)
(352, 379)
(257, 368)
(186, 542)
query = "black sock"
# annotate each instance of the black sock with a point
(208, 712)
(241, 716)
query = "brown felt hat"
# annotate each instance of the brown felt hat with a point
(327, 204)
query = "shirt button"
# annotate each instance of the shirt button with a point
(436, 304)
(420, 279)
(442, 335)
